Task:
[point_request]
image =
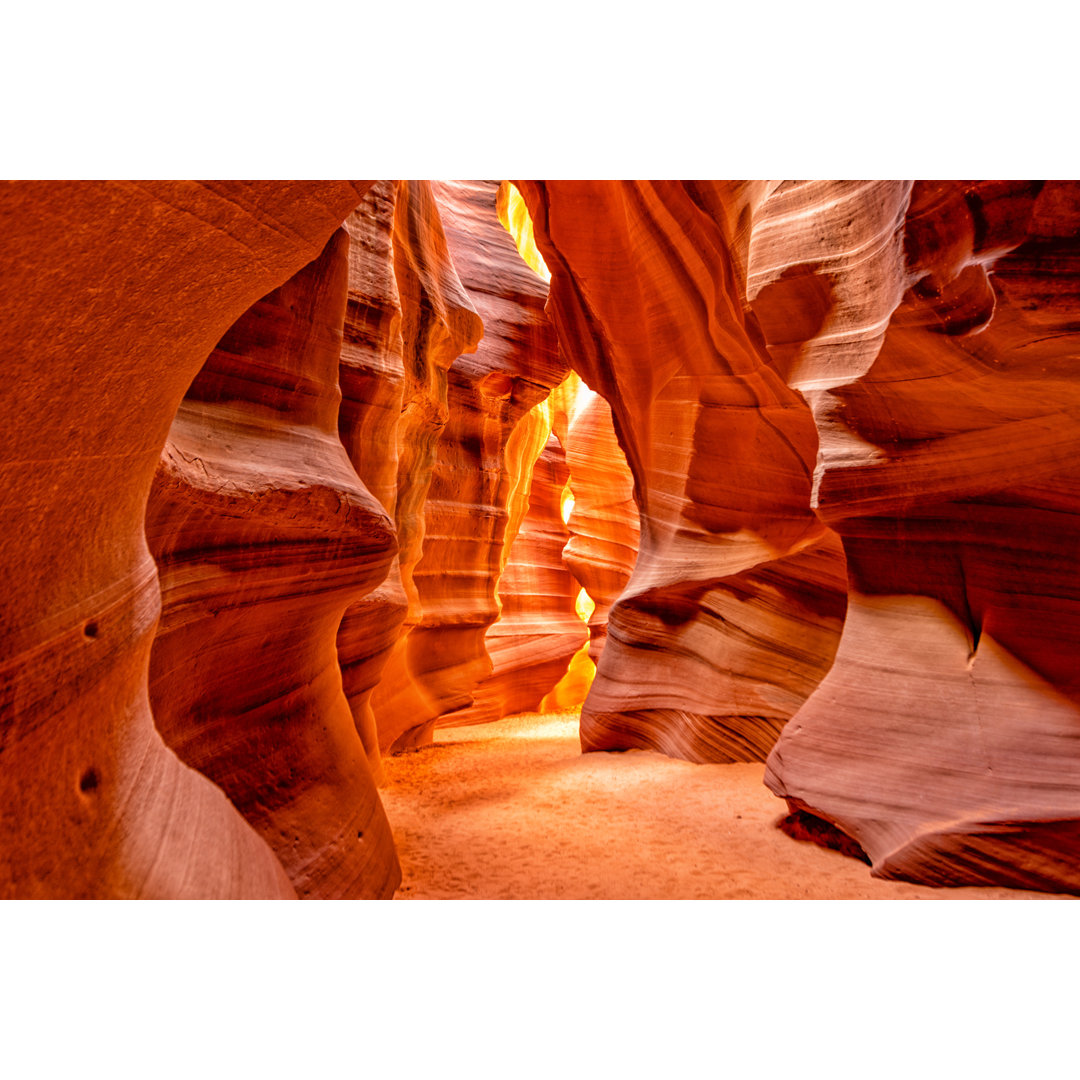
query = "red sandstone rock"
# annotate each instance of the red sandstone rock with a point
(538, 630)
(930, 330)
(566, 401)
(648, 293)
(438, 324)
(603, 524)
(263, 533)
(372, 379)
(943, 739)
(113, 296)
(466, 512)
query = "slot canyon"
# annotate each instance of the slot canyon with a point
(540, 539)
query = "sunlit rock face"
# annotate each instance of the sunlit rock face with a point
(438, 324)
(476, 465)
(603, 521)
(263, 534)
(113, 296)
(733, 610)
(944, 739)
(373, 388)
(538, 630)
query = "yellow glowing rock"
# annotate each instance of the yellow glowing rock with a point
(514, 215)
(573, 687)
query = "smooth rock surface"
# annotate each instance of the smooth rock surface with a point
(113, 296)
(355, 460)
(438, 324)
(945, 738)
(489, 391)
(373, 387)
(263, 534)
(538, 630)
(648, 292)
(603, 524)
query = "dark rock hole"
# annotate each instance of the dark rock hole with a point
(89, 780)
(800, 825)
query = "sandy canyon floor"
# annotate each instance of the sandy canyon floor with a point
(514, 811)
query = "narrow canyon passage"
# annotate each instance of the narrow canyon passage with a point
(513, 811)
(775, 481)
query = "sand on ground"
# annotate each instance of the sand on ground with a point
(514, 811)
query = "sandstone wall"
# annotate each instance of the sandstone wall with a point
(113, 296)
(733, 610)
(439, 323)
(263, 534)
(477, 465)
(943, 738)
(334, 421)
(538, 630)
(373, 388)
(603, 525)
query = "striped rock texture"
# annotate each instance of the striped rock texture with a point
(211, 436)
(372, 379)
(478, 464)
(113, 296)
(409, 318)
(733, 610)
(603, 524)
(946, 738)
(438, 324)
(284, 478)
(538, 630)
(263, 534)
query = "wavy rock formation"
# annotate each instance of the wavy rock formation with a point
(263, 534)
(116, 294)
(438, 324)
(566, 401)
(489, 392)
(603, 524)
(373, 388)
(538, 630)
(944, 738)
(733, 610)
(350, 449)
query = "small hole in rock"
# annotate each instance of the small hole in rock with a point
(800, 825)
(89, 780)
(91, 629)
(360, 835)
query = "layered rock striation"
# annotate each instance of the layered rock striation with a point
(438, 324)
(477, 466)
(538, 630)
(294, 473)
(603, 523)
(113, 296)
(944, 738)
(734, 606)
(264, 534)
(381, 413)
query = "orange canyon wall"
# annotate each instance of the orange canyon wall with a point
(113, 296)
(295, 473)
(733, 609)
